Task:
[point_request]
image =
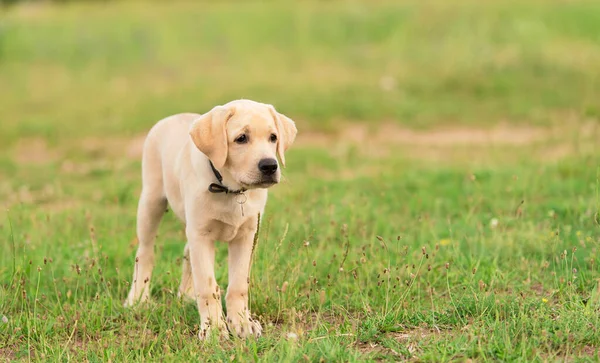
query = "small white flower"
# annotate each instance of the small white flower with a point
(4, 319)
(494, 223)
(292, 336)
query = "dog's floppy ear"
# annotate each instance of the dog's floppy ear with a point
(286, 128)
(209, 134)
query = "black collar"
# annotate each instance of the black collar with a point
(220, 188)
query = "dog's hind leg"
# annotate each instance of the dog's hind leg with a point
(150, 212)
(151, 208)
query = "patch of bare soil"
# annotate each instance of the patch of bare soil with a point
(375, 349)
(413, 334)
(130, 148)
(392, 133)
(34, 151)
(408, 338)
(590, 351)
(8, 353)
(461, 143)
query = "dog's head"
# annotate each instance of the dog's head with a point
(244, 138)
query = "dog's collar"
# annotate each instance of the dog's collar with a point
(219, 187)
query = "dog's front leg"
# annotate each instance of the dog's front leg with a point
(207, 292)
(238, 311)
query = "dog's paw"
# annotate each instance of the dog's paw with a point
(208, 331)
(129, 302)
(244, 327)
(132, 300)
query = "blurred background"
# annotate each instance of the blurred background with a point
(73, 69)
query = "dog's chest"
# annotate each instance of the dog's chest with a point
(224, 232)
(233, 214)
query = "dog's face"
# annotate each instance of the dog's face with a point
(244, 138)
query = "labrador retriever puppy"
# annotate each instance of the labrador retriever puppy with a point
(213, 170)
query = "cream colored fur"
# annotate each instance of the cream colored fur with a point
(176, 172)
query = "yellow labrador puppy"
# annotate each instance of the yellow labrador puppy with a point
(213, 170)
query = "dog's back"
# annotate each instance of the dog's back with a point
(162, 147)
(168, 136)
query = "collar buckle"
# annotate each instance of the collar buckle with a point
(220, 188)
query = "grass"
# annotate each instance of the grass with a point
(412, 251)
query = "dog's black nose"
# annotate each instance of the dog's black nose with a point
(267, 166)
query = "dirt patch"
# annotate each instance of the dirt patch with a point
(8, 353)
(502, 134)
(130, 148)
(135, 146)
(408, 338)
(538, 289)
(34, 151)
(460, 143)
(393, 133)
(375, 350)
(413, 334)
(590, 351)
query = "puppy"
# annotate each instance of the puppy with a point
(213, 170)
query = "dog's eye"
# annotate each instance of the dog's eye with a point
(242, 139)
(273, 138)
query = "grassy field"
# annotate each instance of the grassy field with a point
(441, 202)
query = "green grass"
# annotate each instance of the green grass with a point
(526, 289)
(363, 254)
